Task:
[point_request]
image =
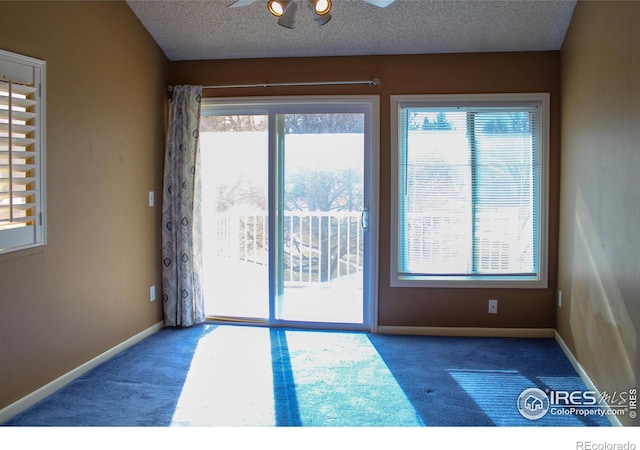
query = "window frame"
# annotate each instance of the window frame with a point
(540, 280)
(12, 64)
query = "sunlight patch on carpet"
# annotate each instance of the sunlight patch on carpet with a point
(341, 380)
(230, 382)
(244, 376)
(496, 392)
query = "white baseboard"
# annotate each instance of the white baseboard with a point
(48, 389)
(583, 374)
(469, 331)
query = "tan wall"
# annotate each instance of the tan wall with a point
(461, 73)
(88, 289)
(600, 201)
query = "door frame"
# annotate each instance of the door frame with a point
(272, 106)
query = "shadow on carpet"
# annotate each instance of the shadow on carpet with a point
(213, 375)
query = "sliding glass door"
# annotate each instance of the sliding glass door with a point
(288, 198)
(235, 190)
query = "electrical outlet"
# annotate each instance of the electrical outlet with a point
(493, 306)
(152, 293)
(559, 298)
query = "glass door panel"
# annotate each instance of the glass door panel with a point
(235, 168)
(322, 244)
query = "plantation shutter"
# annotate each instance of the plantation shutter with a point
(21, 143)
(468, 191)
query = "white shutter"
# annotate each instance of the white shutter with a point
(21, 152)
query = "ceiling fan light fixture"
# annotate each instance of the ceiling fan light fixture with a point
(277, 7)
(288, 17)
(320, 11)
(322, 20)
(320, 7)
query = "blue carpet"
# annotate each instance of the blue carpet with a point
(254, 376)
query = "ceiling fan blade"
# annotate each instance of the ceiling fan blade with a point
(379, 3)
(239, 3)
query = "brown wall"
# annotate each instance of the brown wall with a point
(88, 289)
(422, 74)
(600, 203)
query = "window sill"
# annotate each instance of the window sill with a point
(468, 282)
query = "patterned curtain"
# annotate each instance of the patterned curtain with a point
(181, 223)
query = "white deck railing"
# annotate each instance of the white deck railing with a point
(318, 246)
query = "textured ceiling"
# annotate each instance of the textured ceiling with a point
(193, 30)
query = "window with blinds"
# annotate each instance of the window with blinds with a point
(470, 191)
(21, 152)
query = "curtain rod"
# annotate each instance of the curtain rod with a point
(373, 82)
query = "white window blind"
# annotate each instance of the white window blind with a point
(469, 192)
(21, 152)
